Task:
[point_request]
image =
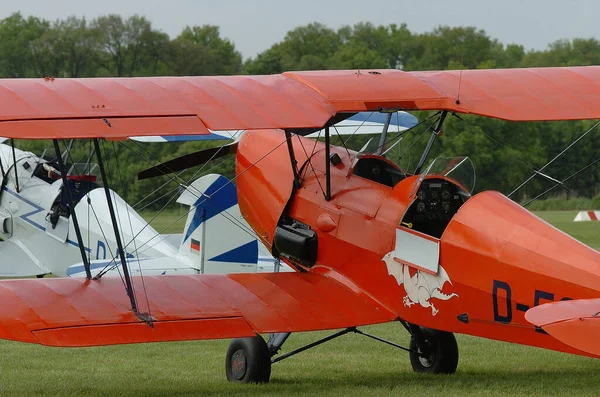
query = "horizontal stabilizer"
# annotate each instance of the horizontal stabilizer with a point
(81, 312)
(574, 322)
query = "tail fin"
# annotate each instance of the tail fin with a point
(574, 322)
(216, 238)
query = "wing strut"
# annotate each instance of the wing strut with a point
(113, 218)
(288, 138)
(12, 144)
(383, 135)
(67, 191)
(327, 166)
(434, 134)
(2, 168)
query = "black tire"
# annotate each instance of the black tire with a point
(442, 355)
(248, 361)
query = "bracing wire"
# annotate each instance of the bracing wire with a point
(132, 233)
(351, 135)
(224, 213)
(112, 255)
(555, 157)
(228, 216)
(538, 171)
(402, 133)
(226, 184)
(118, 216)
(561, 183)
(417, 139)
(172, 191)
(309, 159)
(222, 187)
(314, 146)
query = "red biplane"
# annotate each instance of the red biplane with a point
(371, 242)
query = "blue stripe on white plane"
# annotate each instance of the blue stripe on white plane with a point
(400, 119)
(247, 253)
(37, 210)
(220, 196)
(76, 269)
(180, 138)
(25, 217)
(185, 138)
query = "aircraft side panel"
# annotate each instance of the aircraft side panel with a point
(18, 261)
(264, 190)
(500, 260)
(496, 261)
(356, 237)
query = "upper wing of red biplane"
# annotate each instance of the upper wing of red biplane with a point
(122, 107)
(80, 312)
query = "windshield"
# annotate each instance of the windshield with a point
(459, 169)
(78, 169)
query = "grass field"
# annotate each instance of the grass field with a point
(351, 365)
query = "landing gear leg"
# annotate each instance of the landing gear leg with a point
(248, 361)
(432, 351)
(276, 341)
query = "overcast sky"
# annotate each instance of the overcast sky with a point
(254, 25)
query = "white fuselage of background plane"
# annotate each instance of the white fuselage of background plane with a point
(34, 246)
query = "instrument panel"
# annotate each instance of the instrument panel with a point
(436, 203)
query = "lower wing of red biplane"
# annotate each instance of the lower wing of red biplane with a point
(79, 312)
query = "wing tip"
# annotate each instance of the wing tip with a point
(574, 322)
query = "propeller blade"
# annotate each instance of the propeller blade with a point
(188, 161)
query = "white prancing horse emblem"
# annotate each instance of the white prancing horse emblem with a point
(420, 288)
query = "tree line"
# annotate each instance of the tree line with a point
(504, 153)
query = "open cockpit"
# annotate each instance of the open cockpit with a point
(438, 194)
(378, 169)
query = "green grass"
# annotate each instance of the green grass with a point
(351, 365)
(560, 204)
(587, 232)
(171, 221)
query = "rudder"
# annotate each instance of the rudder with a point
(216, 238)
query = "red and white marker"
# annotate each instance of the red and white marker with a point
(583, 216)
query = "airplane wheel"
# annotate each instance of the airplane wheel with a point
(248, 361)
(442, 357)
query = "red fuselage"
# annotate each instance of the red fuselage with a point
(499, 259)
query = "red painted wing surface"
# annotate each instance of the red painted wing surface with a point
(78, 312)
(573, 322)
(75, 108)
